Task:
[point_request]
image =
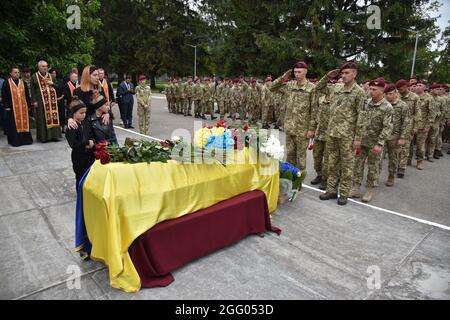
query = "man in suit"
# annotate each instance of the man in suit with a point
(126, 92)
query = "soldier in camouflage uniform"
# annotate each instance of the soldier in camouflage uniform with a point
(445, 118)
(208, 98)
(220, 95)
(144, 101)
(243, 87)
(279, 110)
(428, 115)
(253, 100)
(300, 124)
(406, 151)
(344, 129)
(236, 97)
(188, 97)
(401, 129)
(320, 151)
(441, 102)
(178, 95)
(169, 95)
(267, 103)
(228, 96)
(377, 129)
(197, 92)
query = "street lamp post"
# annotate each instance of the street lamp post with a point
(415, 52)
(195, 59)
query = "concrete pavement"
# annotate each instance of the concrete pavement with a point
(324, 252)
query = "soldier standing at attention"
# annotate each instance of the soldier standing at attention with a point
(220, 98)
(435, 144)
(144, 100)
(378, 128)
(401, 129)
(406, 151)
(320, 152)
(197, 96)
(344, 130)
(235, 101)
(208, 98)
(188, 92)
(300, 124)
(268, 103)
(425, 122)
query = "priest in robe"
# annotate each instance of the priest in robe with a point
(44, 98)
(16, 100)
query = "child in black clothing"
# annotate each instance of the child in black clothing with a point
(100, 132)
(79, 140)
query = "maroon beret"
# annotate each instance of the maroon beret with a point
(349, 65)
(142, 77)
(253, 80)
(377, 83)
(421, 82)
(269, 78)
(401, 83)
(207, 79)
(390, 87)
(301, 64)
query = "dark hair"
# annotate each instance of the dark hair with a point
(92, 69)
(13, 67)
(75, 105)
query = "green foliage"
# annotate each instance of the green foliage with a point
(32, 30)
(135, 151)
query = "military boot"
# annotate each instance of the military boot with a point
(429, 159)
(316, 180)
(323, 184)
(439, 153)
(436, 154)
(328, 195)
(390, 180)
(419, 165)
(342, 201)
(368, 195)
(401, 173)
(355, 192)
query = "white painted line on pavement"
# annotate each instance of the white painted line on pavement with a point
(138, 134)
(158, 97)
(434, 224)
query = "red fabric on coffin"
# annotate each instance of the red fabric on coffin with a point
(173, 243)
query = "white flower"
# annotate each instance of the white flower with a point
(175, 139)
(273, 148)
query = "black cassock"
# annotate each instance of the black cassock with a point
(15, 138)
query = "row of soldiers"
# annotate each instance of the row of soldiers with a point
(349, 126)
(238, 99)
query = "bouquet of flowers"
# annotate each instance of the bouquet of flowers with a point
(214, 137)
(273, 148)
(135, 151)
(291, 179)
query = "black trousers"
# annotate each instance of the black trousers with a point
(127, 113)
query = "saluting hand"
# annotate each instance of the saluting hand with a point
(287, 75)
(333, 73)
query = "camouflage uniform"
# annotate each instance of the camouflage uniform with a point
(144, 100)
(268, 105)
(228, 98)
(442, 111)
(320, 152)
(428, 115)
(168, 91)
(300, 117)
(345, 125)
(401, 129)
(235, 103)
(189, 95)
(208, 99)
(279, 108)
(179, 97)
(197, 92)
(406, 151)
(220, 98)
(377, 129)
(243, 87)
(253, 100)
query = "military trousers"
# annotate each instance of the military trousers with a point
(393, 150)
(431, 139)
(320, 154)
(296, 146)
(373, 162)
(144, 119)
(341, 158)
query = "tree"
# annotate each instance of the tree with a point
(149, 37)
(32, 30)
